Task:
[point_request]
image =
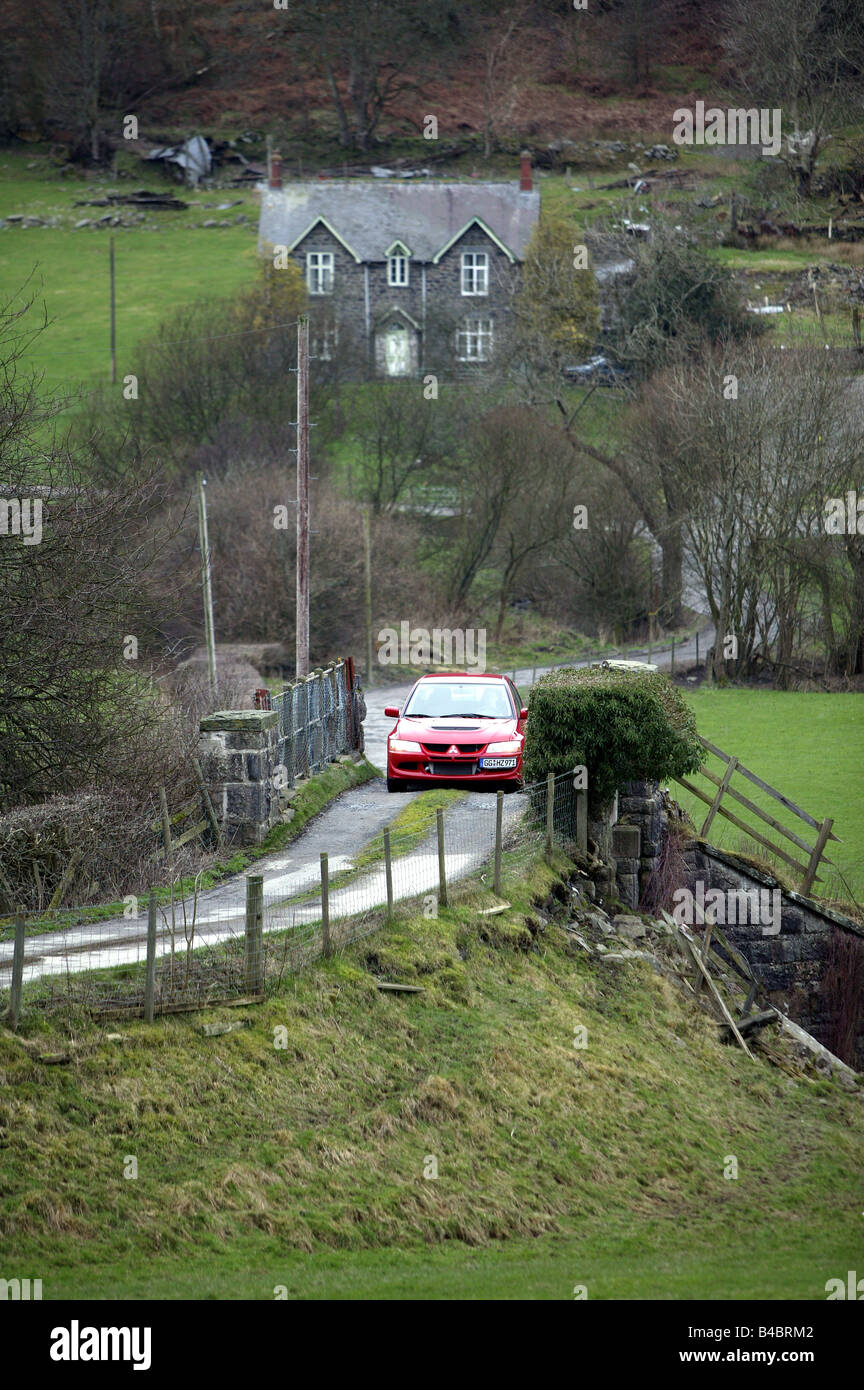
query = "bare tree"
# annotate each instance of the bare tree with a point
(745, 449)
(83, 601)
(369, 52)
(804, 57)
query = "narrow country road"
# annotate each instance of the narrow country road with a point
(342, 830)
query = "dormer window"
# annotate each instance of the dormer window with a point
(319, 272)
(398, 256)
(397, 270)
(475, 272)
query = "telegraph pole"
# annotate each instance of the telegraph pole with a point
(113, 315)
(367, 586)
(206, 586)
(302, 620)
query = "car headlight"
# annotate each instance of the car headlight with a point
(513, 745)
(404, 745)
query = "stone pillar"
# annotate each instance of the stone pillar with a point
(238, 752)
(641, 804)
(626, 851)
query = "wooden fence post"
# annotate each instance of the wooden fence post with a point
(253, 964)
(816, 855)
(499, 817)
(550, 809)
(208, 804)
(442, 873)
(325, 904)
(150, 974)
(166, 826)
(672, 659)
(582, 821)
(17, 981)
(388, 871)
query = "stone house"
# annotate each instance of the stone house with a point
(413, 274)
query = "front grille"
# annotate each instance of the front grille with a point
(445, 747)
(453, 769)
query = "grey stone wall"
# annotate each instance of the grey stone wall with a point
(791, 964)
(238, 752)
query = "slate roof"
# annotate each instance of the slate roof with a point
(369, 217)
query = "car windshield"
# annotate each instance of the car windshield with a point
(453, 699)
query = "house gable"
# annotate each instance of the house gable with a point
(478, 224)
(322, 222)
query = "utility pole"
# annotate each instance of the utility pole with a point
(302, 618)
(113, 316)
(206, 586)
(367, 585)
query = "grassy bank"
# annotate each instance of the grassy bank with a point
(310, 1165)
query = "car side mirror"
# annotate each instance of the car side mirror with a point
(391, 711)
(523, 713)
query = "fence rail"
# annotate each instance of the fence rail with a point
(723, 788)
(230, 944)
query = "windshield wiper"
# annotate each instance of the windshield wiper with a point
(450, 715)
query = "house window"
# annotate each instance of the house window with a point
(475, 272)
(475, 340)
(319, 272)
(324, 338)
(397, 270)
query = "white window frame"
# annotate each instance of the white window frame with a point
(475, 339)
(475, 273)
(325, 340)
(320, 271)
(397, 270)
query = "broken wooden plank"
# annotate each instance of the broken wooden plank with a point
(741, 964)
(697, 960)
(753, 1022)
(389, 987)
(215, 1030)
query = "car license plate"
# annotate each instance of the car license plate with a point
(497, 762)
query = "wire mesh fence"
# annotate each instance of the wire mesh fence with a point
(173, 951)
(316, 720)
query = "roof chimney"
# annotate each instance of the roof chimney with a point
(275, 180)
(525, 184)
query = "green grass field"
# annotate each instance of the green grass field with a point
(309, 1166)
(156, 271)
(808, 746)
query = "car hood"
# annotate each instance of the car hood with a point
(458, 731)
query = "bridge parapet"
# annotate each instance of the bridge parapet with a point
(239, 756)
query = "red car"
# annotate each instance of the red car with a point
(456, 726)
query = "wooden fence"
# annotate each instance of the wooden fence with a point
(805, 868)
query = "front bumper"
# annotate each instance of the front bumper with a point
(420, 767)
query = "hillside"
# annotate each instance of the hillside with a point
(302, 1165)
